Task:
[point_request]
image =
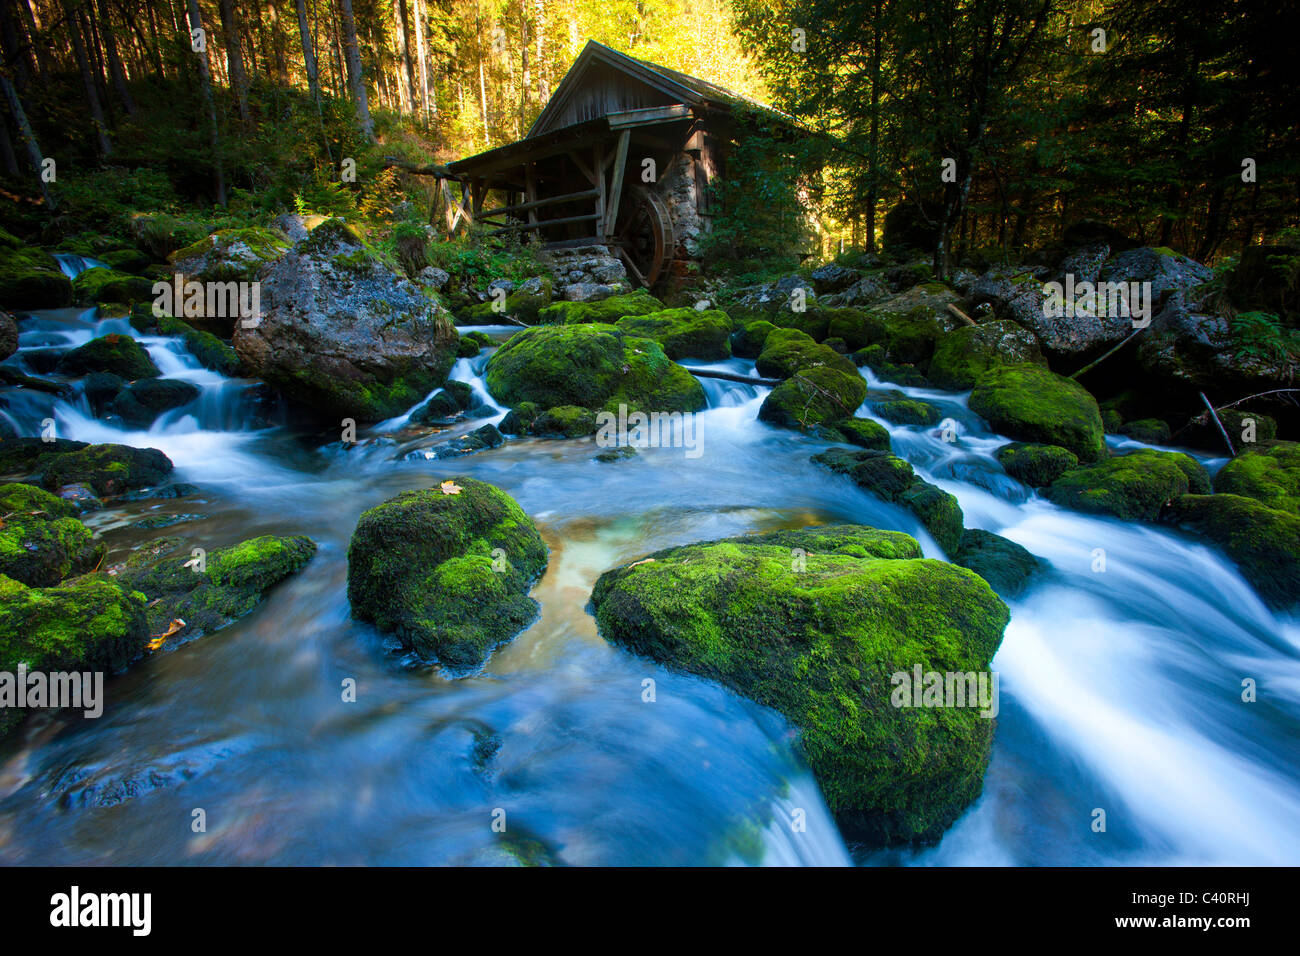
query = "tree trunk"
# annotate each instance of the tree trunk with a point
(420, 55)
(87, 80)
(354, 70)
(114, 61)
(234, 57)
(405, 79)
(308, 52)
(29, 138)
(205, 81)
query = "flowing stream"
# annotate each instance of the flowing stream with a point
(1121, 690)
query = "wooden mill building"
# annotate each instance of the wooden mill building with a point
(623, 155)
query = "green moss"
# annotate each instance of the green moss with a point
(31, 279)
(864, 433)
(212, 353)
(234, 255)
(1134, 486)
(1030, 403)
(893, 480)
(526, 304)
(118, 354)
(814, 396)
(106, 469)
(1036, 465)
(963, 355)
(897, 408)
(857, 327)
(787, 351)
(747, 341)
(448, 574)
(1149, 431)
(41, 542)
(817, 635)
(1270, 476)
(235, 580)
(1264, 542)
(608, 310)
(100, 285)
(684, 333)
(567, 421)
(591, 366)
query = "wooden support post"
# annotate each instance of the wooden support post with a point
(530, 192)
(599, 167)
(616, 183)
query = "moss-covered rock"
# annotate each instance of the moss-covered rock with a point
(467, 348)
(140, 404)
(787, 351)
(41, 542)
(230, 255)
(1263, 542)
(893, 480)
(820, 634)
(864, 433)
(117, 354)
(525, 304)
(876, 358)
(964, 354)
(565, 421)
(1270, 475)
(99, 285)
(1135, 487)
(748, 340)
(448, 574)
(1032, 404)
(897, 408)
(605, 311)
(1036, 465)
(591, 366)
(25, 456)
(213, 354)
(814, 396)
(89, 623)
(126, 260)
(519, 420)
(1005, 565)
(31, 279)
(684, 333)
(107, 469)
(230, 583)
(858, 328)
(8, 336)
(1149, 431)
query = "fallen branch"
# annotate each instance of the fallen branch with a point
(1222, 431)
(960, 314)
(1093, 364)
(732, 377)
(430, 169)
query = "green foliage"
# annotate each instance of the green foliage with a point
(1261, 335)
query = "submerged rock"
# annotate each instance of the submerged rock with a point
(140, 404)
(893, 479)
(817, 624)
(447, 570)
(590, 366)
(41, 540)
(1263, 542)
(1135, 486)
(1005, 565)
(343, 334)
(1032, 404)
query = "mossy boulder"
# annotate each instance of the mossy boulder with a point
(1036, 465)
(892, 479)
(467, 348)
(41, 542)
(1269, 475)
(99, 285)
(684, 333)
(519, 420)
(1135, 486)
(1149, 431)
(229, 583)
(1263, 542)
(230, 255)
(1005, 565)
(118, 354)
(564, 421)
(126, 260)
(896, 407)
(812, 397)
(787, 351)
(964, 354)
(1032, 404)
(817, 624)
(590, 366)
(858, 328)
(24, 456)
(31, 279)
(447, 574)
(139, 404)
(525, 303)
(748, 340)
(8, 336)
(212, 353)
(107, 469)
(864, 433)
(85, 623)
(605, 311)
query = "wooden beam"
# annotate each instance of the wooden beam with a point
(431, 169)
(582, 167)
(527, 226)
(599, 167)
(538, 203)
(573, 243)
(616, 183)
(649, 116)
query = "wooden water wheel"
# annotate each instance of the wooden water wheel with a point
(643, 235)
